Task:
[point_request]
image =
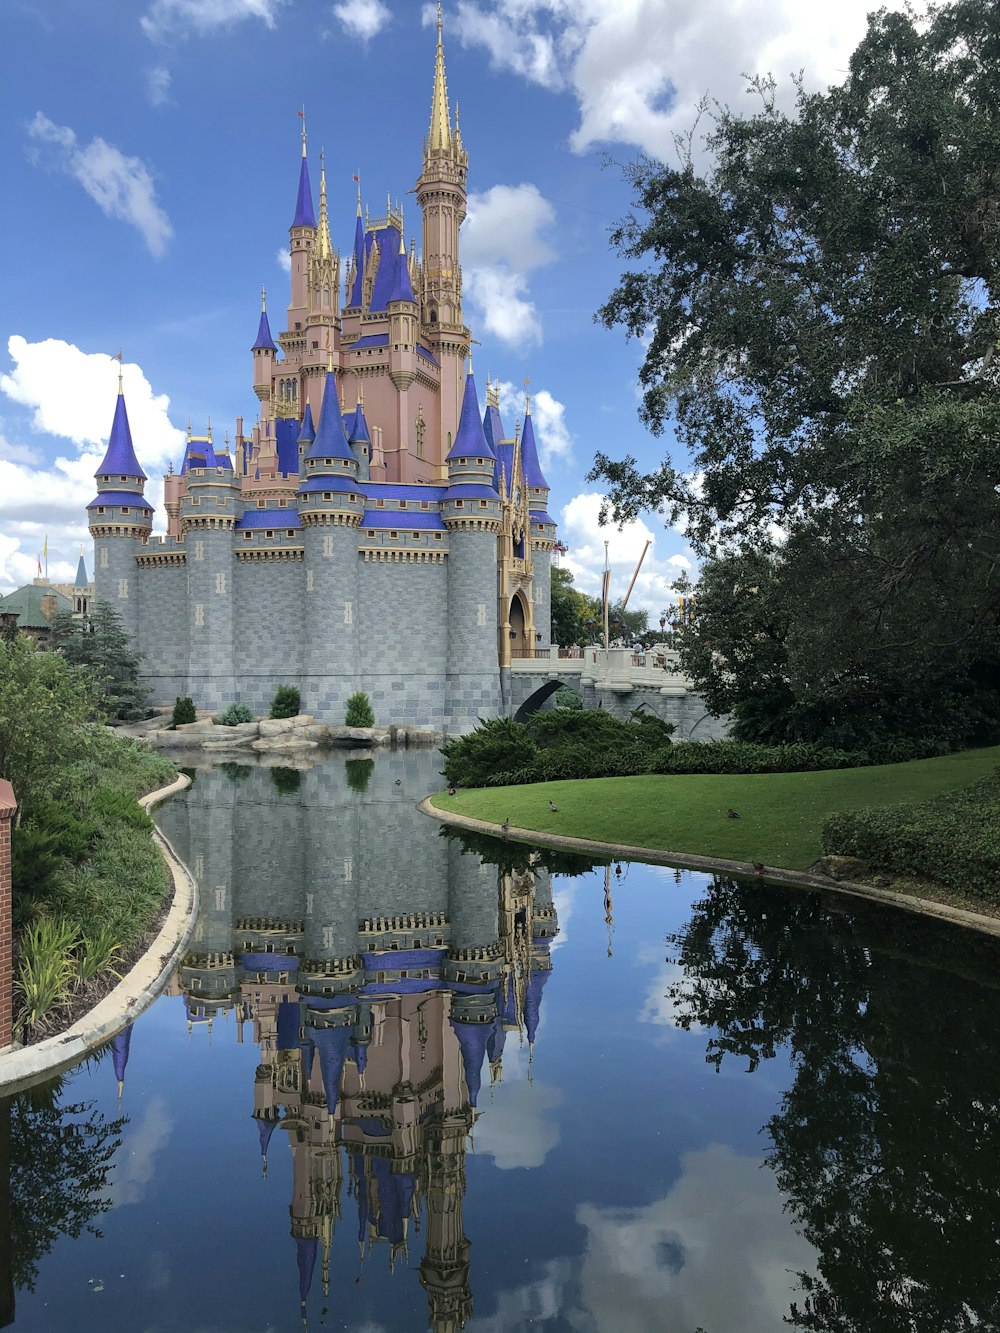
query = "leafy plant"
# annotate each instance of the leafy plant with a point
(45, 976)
(359, 711)
(99, 952)
(287, 702)
(234, 715)
(184, 712)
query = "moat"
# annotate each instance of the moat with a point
(404, 1081)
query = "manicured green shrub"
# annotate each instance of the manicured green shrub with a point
(234, 715)
(286, 702)
(953, 839)
(184, 712)
(359, 711)
(500, 743)
(566, 698)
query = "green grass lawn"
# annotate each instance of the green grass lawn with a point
(781, 814)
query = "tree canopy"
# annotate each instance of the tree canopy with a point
(101, 646)
(821, 309)
(577, 618)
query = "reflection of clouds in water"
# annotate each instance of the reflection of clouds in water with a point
(158, 1277)
(514, 1129)
(563, 900)
(717, 1251)
(135, 1160)
(657, 1006)
(535, 1303)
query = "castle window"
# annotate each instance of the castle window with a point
(290, 532)
(269, 533)
(328, 495)
(393, 534)
(371, 532)
(247, 536)
(124, 478)
(195, 500)
(261, 504)
(352, 499)
(282, 504)
(125, 509)
(298, 324)
(379, 504)
(402, 504)
(484, 504)
(100, 510)
(416, 536)
(437, 536)
(316, 345)
(424, 504)
(459, 504)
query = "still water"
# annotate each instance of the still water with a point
(402, 1082)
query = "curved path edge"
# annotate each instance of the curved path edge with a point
(956, 916)
(137, 989)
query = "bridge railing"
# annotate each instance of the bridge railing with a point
(618, 669)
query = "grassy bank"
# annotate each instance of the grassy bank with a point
(89, 883)
(781, 814)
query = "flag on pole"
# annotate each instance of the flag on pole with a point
(356, 178)
(605, 589)
(39, 566)
(301, 115)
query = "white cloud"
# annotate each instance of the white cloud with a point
(122, 187)
(555, 444)
(158, 85)
(502, 245)
(284, 258)
(638, 68)
(135, 1164)
(164, 18)
(70, 395)
(580, 529)
(658, 1266)
(363, 19)
(514, 1128)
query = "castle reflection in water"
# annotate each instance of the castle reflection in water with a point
(380, 969)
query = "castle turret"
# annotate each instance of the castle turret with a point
(543, 533)
(331, 506)
(264, 353)
(470, 510)
(209, 511)
(442, 196)
(361, 440)
(120, 520)
(301, 239)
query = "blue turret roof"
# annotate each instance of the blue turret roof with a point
(359, 432)
(332, 1045)
(308, 432)
(533, 475)
(402, 287)
(120, 459)
(359, 261)
(533, 1000)
(306, 1251)
(472, 1037)
(81, 574)
(493, 426)
(120, 1046)
(470, 440)
(121, 500)
(331, 437)
(385, 278)
(264, 339)
(304, 214)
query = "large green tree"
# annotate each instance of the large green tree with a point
(100, 645)
(578, 619)
(821, 307)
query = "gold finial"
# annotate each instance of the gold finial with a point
(325, 246)
(527, 396)
(120, 358)
(470, 360)
(329, 351)
(210, 429)
(302, 115)
(358, 179)
(439, 138)
(263, 300)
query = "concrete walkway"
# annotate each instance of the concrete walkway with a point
(615, 851)
(135, 992)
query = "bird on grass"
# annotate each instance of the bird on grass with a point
(553, 807)
(451, 791)
(732, 814)
(758, 867)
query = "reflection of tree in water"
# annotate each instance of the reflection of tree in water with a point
(58, 1161)
(887, 1143)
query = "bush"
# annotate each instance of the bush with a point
(358, 773)
(500, 743)
(359, 711)
(184, 712)
(953, 838)
(234, 715)
(287, 701)
(566, 698)
(287, 781)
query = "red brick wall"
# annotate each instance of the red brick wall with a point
(7, 809)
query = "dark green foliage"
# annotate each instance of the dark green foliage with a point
(287, 701)
(953, 839)
(577, 618)
(510, 856)
(566, 698)
(359, 711)
(469, 761)
(234, 715)
(824, 309)
(184, 712)
(358, 773)
(236, 772)
(286, 781)
(99, 645)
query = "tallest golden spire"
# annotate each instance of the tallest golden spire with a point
(439, 139)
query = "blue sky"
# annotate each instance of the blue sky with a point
(150, 162)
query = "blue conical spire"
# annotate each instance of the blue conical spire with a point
(359, 260)
(331, 437)
(533, 475)
(264, 340)
(308, 432)
(359, 432)
(305, 216)
(120, 458)
(81, 574)
(402, 288)
(472, 1038)
(470, 440)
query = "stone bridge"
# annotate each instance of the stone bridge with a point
(620, 681)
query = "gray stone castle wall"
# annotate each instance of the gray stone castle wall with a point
(162, 630)
(542, 592)
(404, 640)
(268, 632)
(473, 681)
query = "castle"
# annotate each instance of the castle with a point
(400, 546)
